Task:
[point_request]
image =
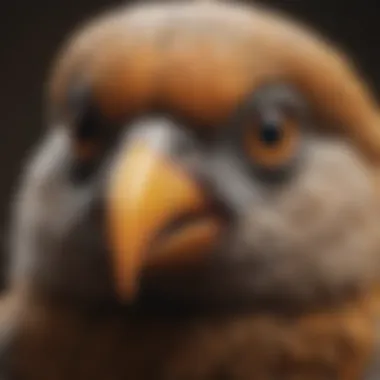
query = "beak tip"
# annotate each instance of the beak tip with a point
(126, 288)
(126, 294)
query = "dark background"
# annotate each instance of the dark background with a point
(31, 32)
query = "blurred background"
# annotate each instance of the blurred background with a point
(32, 31)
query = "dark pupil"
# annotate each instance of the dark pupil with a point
(270, 133)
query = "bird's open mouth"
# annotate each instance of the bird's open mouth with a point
(191, 231)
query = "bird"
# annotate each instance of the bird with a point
(203, 204)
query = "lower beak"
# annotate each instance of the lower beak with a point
(147, 194)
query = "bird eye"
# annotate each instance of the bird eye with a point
(87, 128)
(86, 148)
(271, 142)
(86, 135)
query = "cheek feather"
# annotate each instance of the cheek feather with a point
(321, 232)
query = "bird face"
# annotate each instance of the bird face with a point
(210, 153)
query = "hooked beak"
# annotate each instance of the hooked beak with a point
(148, 193)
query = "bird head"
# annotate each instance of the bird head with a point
(213, 153)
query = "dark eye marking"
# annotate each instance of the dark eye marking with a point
(90, 131)
(85, 118)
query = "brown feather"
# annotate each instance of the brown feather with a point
(59, 343)
(201, 58)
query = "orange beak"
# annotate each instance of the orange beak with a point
(147, 193)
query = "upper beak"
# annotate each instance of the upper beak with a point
(147, 192)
